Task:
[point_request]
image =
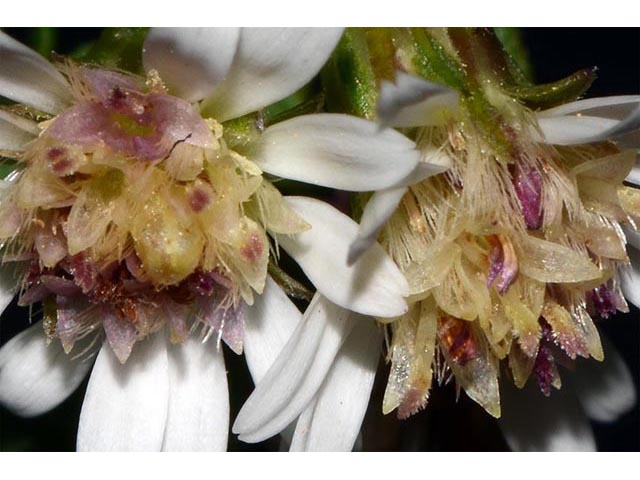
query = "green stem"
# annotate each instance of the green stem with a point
(44, 40)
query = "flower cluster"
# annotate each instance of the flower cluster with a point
(509, 256)
(132, 211)
(143, 215)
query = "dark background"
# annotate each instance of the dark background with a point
(445, 425)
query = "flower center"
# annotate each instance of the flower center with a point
(508, 258)
(134, 214)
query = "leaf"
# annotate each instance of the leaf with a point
(556, 93)
(44, 40)
(432, 61)
(348, 77)
(512, 42)
(118, 48)
(304, 101)
(6, 167)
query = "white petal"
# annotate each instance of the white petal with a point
(414, 102)
(630, 278)
(629, 140)
(192, 61)
(125, 407)
(297, 374)
(605, 389)
(286, 435)
(359, 445)
(616, 107)
(571, 130)
(372, 286)
(532, 422)
(36, 377)
(625, 127)
(332, 422)
(15, 132)
(22, 123)
(634, 176)
(632, 236)
(432, 162)
(198, 417)
(270, 64)
(10, 274)
(338, 151)
(383, 203)
(298, 440)
(269, 323)
(377, 212)
(26, 77)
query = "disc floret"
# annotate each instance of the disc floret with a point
(510, 257)
(133, 215)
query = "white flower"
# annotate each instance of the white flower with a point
(599, 391)
(325, 373)
(174, 397)
(341, 355)
(630, 277)
(414, 102)
(329, 347)
(603, 391)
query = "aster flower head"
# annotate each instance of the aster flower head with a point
(513, 252)
(511, 241)
(136, 211)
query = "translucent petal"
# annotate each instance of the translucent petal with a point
(553, 263)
